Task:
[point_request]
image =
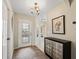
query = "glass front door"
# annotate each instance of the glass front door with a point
(24, 33)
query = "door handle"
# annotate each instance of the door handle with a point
(8, 38)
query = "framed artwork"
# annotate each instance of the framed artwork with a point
(58, 25)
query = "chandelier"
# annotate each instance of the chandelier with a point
(35, 10)
(36, 7)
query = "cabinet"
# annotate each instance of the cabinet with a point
(57, 48)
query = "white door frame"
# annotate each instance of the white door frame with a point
(4, 30)
(7, 30)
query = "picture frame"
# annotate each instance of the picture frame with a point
(58, 25)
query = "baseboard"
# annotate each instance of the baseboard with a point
(39, 48)
(23, 47)
(12, 54)
(28, 46)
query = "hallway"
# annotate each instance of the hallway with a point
(29, 53)
(29, 22)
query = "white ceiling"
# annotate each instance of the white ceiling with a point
(24, 6)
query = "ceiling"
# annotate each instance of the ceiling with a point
(25, 6)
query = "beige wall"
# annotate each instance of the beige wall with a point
(18, 17)
(70, 29)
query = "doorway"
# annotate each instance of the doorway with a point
(24, 33)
